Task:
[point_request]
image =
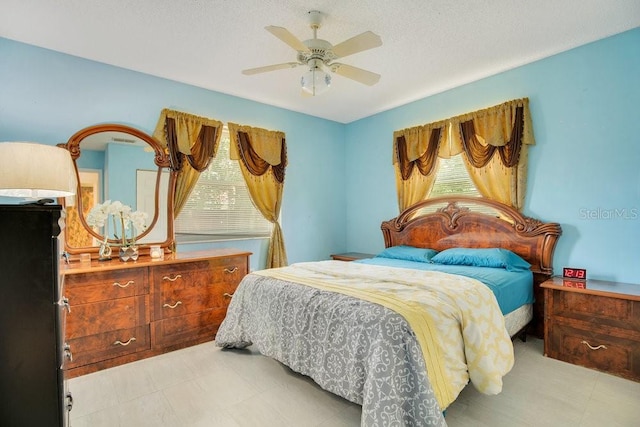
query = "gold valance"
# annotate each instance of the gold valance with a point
(416, 140)
(492, 126)
(266, 143)
(187, 127)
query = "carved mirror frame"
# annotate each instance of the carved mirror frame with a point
(161, 159)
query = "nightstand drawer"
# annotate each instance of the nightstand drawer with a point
(605, 352)
(614, 312)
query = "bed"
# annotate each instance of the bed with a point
(404, 332)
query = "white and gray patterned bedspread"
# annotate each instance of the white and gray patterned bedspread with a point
(361, 351)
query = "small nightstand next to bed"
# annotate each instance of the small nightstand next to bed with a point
(350, 256)
(593, 323)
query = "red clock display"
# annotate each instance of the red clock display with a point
(574, 273)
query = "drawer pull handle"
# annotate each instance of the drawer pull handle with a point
(64, 302)
(174, 305)
(233, 270)
(130, 282)
(228, 295)
(170, 279)
(592, 347)
(67, 352)
(69, 402)
(118, 342)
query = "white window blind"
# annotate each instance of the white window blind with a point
(219, 206)
(453, 179)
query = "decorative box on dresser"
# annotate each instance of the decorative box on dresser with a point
(125, 311)
(32, 381)
(593, 323)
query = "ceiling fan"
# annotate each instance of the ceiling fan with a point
(318, 55)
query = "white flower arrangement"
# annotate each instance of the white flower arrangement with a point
(131, 223)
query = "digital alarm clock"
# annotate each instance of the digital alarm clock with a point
(574, 273)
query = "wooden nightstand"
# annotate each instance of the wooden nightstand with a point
(351, 256)
(593, 323)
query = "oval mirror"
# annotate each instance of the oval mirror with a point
(119, 163)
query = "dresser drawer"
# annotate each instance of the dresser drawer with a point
(200, 286)
(229, 269)
(190, 327)
(107, 345)
(105, 285)
(606, 350)
(109, 315)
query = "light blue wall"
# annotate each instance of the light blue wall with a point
(340, 182)
(585, 106)
(47, 96)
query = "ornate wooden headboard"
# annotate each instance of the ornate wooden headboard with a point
(455, 222)
(451, 222)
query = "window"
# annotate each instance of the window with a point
(219, 207)
(453, 179)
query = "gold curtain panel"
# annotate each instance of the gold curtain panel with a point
(262, 156)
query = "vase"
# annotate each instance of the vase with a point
(128, 253)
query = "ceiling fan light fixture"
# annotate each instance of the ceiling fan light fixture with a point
(315, 81)
(318, 55)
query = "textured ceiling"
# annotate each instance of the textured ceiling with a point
(428, 45)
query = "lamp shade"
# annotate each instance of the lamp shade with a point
(315, 81)
(32, 170)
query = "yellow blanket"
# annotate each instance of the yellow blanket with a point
(456, 319)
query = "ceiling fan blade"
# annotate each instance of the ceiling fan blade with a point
(354, 73)
(284, 35)
(258, 70)
(364, 41)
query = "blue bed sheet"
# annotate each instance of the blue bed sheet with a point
(511, 288)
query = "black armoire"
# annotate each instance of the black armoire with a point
(32, 385)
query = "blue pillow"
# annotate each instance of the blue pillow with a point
(490, 257)
(408, 253)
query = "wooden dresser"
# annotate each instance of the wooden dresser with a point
(124, 311)
(595, 324)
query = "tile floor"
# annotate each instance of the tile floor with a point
(205, 386)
